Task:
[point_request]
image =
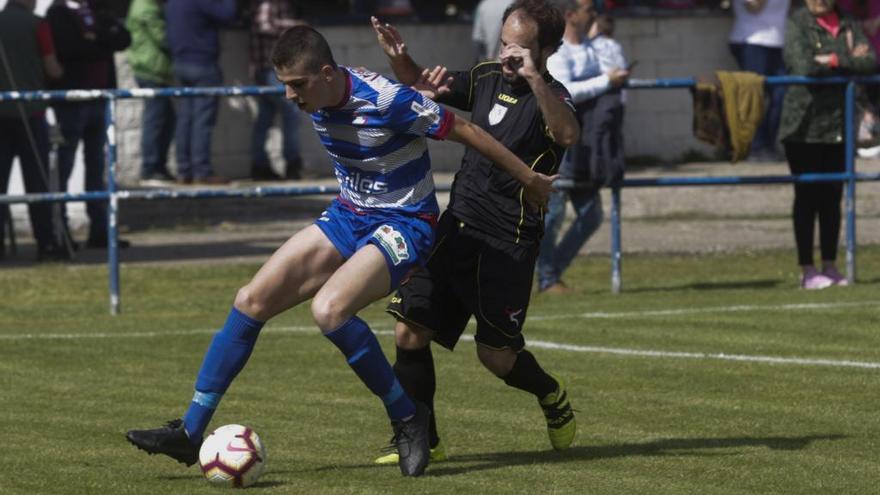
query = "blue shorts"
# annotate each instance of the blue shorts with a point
(404, 239)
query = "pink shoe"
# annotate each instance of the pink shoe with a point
(813, 280)
(836, 277)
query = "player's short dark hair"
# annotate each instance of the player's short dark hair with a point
(550, 21)
(605, 25)
(302, 45)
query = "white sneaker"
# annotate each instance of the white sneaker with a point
(872, 152)
(813, 280)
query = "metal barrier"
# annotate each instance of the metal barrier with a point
(112, 195)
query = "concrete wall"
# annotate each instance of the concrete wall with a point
(658, 122)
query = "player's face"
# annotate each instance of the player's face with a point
(309, 91)
(820, 7)
(522, 31)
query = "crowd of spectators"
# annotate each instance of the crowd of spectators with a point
(176, 42)
(439, 9)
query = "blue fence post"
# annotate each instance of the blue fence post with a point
(615, 240)
(849, 142)
(112, 203)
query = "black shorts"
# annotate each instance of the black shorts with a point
(466, 276)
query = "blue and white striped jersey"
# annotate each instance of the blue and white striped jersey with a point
(376, 139)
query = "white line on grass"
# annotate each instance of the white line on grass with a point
(702, 355)
(545, 344)
(712, 309)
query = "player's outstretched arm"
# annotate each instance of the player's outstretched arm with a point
(405, 68)
(537, 187)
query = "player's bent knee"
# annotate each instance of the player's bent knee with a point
(328, 312)
(498, 361)
(248, 303)
(411, 337)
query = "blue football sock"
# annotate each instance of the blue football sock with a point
(227, 355)
(361, 349)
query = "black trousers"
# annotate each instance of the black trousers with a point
(816, 200)
(14, 142)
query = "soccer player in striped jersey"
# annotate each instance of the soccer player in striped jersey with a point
(379, 228)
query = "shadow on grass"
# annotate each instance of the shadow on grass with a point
(729, 285)
(258, 246)
(667, 447)
(196, 476)
(267, 484)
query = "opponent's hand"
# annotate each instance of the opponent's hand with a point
(537, 192)
(519, 59)
(389, 38)
(433, 82)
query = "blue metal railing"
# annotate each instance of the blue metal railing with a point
(112, 195)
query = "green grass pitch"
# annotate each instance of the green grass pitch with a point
(681, 420)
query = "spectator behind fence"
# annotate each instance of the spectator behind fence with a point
(86, 36)
(270, 19)
(150, 61)
(27, 57)
(606, 147)
(487, 28)
(819, 42)
(193, 37)
(576, 65)
(756, 42)
(608, 50)
(867, 12)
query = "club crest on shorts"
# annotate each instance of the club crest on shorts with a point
(512, 315)
(393, 243)
(497, 113)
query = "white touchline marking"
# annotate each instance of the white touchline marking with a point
(546, 344)
(715, 309)
(702, 355)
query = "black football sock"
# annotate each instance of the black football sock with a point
(415, 372)
(528, 375)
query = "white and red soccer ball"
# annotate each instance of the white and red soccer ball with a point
(232, 455)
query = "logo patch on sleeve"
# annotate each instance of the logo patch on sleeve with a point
(425, 112)
(393, 243)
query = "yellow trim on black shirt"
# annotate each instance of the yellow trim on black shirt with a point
(474, 82)
(522, 206)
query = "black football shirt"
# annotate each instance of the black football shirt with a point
(484, 197)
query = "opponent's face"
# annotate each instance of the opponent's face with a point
(308, 90)
(820, 7)
(523, 31)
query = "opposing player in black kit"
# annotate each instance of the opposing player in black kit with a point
(487, 240)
